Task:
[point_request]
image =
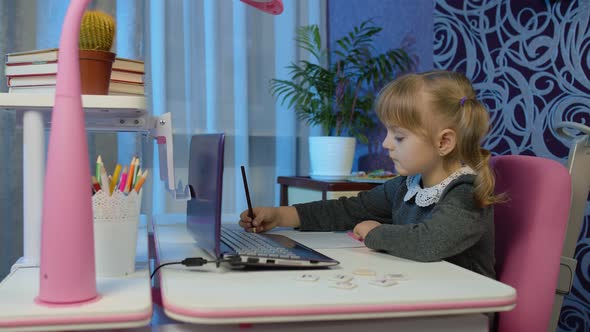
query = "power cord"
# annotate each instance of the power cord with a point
(196, 261)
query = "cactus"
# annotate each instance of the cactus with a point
(97, 31)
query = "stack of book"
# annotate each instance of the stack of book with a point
(36, 71)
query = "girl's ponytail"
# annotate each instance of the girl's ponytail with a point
(485, 181)
(473, 124)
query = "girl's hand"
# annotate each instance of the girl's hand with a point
(265, 218)
(363, 228)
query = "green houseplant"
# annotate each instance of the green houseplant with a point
(339, 95)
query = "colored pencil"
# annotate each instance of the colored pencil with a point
(95, 184)
(140, 182)
(98, 163)
(129, 176)
(115, 178)
(123, 180)
(104, 179)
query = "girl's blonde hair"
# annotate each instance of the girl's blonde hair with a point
(428, 102)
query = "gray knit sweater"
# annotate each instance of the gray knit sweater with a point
(455, 229)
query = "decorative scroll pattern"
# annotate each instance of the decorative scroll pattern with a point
(530, 63)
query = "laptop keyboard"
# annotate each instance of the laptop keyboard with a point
(252, 244)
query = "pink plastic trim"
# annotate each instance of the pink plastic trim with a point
(129, 318)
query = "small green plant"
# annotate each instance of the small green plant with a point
(339, 96)
(97, 31)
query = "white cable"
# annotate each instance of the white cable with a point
(561, 126)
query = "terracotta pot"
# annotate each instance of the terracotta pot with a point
(95, 71)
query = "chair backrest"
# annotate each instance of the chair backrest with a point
(530, 229)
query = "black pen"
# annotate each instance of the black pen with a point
(250, 211)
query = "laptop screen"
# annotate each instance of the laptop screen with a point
(205, 180)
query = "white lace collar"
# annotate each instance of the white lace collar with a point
(431, 195)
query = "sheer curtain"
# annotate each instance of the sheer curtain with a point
(208, 63)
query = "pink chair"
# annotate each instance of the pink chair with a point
(530, 230)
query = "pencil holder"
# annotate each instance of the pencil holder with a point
(116, 218)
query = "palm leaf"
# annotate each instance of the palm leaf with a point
(339, 97)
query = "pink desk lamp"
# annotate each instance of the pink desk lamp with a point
(67, 272)
(274, 7)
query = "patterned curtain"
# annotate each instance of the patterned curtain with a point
(529, 61)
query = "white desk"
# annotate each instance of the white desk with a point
(124, 302)
(207, 295)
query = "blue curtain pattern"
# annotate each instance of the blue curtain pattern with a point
(530, 63)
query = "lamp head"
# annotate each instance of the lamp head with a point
(274, 7)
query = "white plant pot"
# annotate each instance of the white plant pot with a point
(331, 157)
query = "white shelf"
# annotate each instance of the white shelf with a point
(103, 112)
(124, 104)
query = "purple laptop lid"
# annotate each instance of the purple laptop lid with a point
(205, 179)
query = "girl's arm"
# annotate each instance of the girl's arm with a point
(345, 213)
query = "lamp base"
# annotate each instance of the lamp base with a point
(64, 305)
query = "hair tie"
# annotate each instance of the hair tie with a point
(463, 100)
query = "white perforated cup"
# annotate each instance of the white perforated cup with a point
(116, 219)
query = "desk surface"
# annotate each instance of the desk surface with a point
(217, 296)
(124, 302)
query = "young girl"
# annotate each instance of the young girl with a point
(441, 205)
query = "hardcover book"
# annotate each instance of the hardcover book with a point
(44, 55)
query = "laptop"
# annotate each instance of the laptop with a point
(229, 242)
